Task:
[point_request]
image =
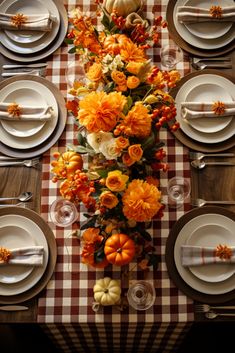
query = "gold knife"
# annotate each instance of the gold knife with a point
(13, 307)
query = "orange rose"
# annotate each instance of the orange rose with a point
(135, 152)
(127, 160)
(122, 142)
(95, 72)
(119, 78)
(132, 82)
(116, 181)
(121, 88)
(141, 201)
(108, 199)
(134, 68)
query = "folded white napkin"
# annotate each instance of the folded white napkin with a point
(32, 255)
(192, 110)
(27, 113)
(41, 22)
(197, 255)
(191, 14)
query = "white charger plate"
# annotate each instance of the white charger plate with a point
(14, 237)
(47, 129)
(227, 86)
(24, 96)
(27, 8)
(211, 235)
(213, 288)
(203, 93)
(197, 42)
(41, 43)
(209, 29)
(38, 237)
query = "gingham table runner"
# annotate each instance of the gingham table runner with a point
(69, 295)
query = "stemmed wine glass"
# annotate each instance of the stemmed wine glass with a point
(170, 55)
(178, 189)
(141, 295)
(63, 213)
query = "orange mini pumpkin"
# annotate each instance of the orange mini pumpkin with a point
(68, 162)
(114, 43)
(119, 249)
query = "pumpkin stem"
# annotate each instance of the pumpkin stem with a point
(119, 250)
(106, 290)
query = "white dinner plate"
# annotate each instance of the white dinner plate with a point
(208, 92)
(227, 86)
(209, 29)
(41, 43)
(27, 8)
(47, 129)
(24, 96)
(211, 235)
(194, 282)
(197, 42)
(39, 239)
(12, 237)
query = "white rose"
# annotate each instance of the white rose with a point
(109, 149)
(96, 138)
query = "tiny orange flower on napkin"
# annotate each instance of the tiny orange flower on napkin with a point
(4, 255)
(216, 11)
(223, 252)
(14, 110)
(18, 19)
(218, 108)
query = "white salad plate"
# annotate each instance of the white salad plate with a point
(203, 93)
(208, 29)
(39, 44)
(36, 237)
(211, 235)
(21, 88)
(201, 43)
(24, 96)
(225, 86)
(12, 237)
(203, 286)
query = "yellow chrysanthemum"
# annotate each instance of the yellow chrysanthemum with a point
(100, 111)
(141, 201)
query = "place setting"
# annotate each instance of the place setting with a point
(205, 104)
(31, 31)
(200, 254)
(202, 28)
(27, 254)
(32, 116)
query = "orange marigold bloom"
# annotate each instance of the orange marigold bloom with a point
(116, 181)
(135, 152)
(18, 19)
(95, 72)
(100, 111)
(14, 110)
(5, 255)
(218, 108)
(216, 11)
(137, 122)
(92, 235)
(141, 201)
(223, 252)
(122, 142)
(132, 82)
(131, 52)
(108, 199)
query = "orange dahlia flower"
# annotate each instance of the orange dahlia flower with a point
(141, 201)
(137, 122)
(131, 52)
(100, 111)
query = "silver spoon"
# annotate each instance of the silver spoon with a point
(25, 196)
(213, 314)
(199, 164)
(200, 155)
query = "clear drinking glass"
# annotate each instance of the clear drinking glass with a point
(170, 55)
(141, 295)
(75, 72)
(63, 213)
(178, 189)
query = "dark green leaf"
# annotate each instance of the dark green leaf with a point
(148, 142)
(72, 50)
(103, 173)
(90, 223)
(109, 87)
(68, 41)
(81, 149)
(145, 235)
(81, 139)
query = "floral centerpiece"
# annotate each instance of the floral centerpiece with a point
(119, 105)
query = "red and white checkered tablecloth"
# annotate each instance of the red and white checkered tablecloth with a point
(65, 307)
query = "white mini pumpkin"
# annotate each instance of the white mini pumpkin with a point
(107, 291)
(123, 7)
